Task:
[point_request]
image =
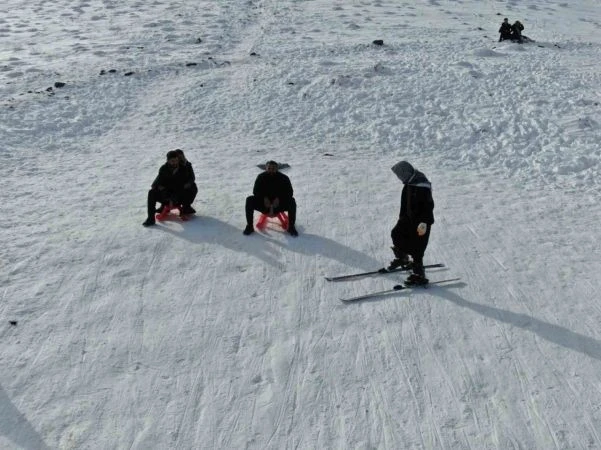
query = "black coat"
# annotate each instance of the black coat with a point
(276, 185)
(170, 179)
(190, 172)
(417, 206)
(505, 30)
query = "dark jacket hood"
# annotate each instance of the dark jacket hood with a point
(409, 175)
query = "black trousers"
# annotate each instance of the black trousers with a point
(405, 238)
(254, 203)
(184, 197)
(188, 195)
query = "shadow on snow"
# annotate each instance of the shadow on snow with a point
(15, 426)
(203, 229)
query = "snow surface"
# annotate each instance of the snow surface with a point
(193, 336)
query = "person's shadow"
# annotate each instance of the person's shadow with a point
(203, 229)
(553, 333)
(312, 244)
(15, 426)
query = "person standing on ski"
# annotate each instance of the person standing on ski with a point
(272, 193)
(412, 231)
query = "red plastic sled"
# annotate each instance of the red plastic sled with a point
(166, 211)
(264, 218)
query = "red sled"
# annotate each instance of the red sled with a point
(282, 217)
(166, 212)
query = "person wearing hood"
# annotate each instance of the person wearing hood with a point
(412, 231)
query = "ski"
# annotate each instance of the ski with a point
(377, 272)
(398, 287)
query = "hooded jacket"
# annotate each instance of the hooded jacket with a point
(417, 205)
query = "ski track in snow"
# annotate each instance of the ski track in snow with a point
(195, 336)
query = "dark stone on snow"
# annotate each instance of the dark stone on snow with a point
(59, 84)
(378, 42)
(190, 64)
(253, 54)
(13, 322)
(49, 89)
(128, 74)
(112, 71)
(198, 41)
(103, 72)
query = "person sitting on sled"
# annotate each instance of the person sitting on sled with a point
(412, 231)
(516, 32)
(272, 193)
(168, 187)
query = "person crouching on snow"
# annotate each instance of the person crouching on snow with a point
(167, 187)
(516, 30)
(272, 193)
(412, 231)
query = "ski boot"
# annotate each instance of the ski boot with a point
(416, 280)
(418, 277)
(401, 260)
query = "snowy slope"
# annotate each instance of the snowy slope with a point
(190, 336)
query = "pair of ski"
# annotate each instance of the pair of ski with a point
(396, 288)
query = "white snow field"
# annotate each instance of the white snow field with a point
(193, 336)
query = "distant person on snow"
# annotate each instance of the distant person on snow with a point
(168, 186)
(272, 193)
(190, 188)
(516, 31)
(505, 30)
(411, 233)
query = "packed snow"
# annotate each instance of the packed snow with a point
(194, 336)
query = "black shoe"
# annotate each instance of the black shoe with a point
(401, 259)
(149, 222)
(418, 269)
(405, 263)
(292, 231)
(416, 280)
(187, 209)
(399, 254)
(248, 230)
